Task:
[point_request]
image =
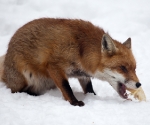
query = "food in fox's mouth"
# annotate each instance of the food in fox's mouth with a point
(136, 93)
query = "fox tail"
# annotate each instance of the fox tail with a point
(2, 58)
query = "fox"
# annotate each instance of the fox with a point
(46, 52)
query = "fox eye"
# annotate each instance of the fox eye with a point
(124, 69)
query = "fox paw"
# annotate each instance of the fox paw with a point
(77, 103)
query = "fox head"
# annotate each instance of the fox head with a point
(118, 65)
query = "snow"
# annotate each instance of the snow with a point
(122, 19)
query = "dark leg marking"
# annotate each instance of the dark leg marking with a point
(30, 91)
(30, 74)
(86, 85)
(89, 88)
(73, 100)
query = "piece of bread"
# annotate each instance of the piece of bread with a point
(138, 94)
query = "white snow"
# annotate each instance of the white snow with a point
(122, 19)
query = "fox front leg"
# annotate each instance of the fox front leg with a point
(86, 85)
(62, 83)
(68, 94)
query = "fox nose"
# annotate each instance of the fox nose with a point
(138, 84)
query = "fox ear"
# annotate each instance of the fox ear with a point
(108, 45)
(127, 43)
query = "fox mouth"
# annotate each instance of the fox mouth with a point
(122, 90)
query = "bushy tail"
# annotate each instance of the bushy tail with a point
(2, 58)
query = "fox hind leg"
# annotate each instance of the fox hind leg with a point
(14, 79)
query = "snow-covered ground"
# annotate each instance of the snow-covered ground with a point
(122, 19)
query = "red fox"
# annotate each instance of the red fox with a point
(45, 52)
